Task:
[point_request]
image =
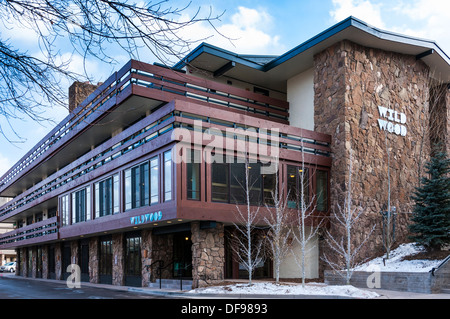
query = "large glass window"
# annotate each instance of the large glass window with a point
(193, 176)
(107, 197)
(228, 183)
(106, 257)
(220, 182)
(65, 210)
(81, 205)
(137, 186)
(154, 180)
(168, 176)
(322, 190)
(295, 176)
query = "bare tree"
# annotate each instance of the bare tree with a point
(306, 229)
(345, 216)
(248, 247)
(277, 220)
(93, 29)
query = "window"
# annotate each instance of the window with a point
(107, 197)
(193, 176)
(269, 183)
(229, 185)
(65, 210)
(81, 206)
(154, 180)
(294, 176)
(168, 176)
(220, 182)
(322, 190)
(106, 257)
(137, 186)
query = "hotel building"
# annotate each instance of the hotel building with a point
(106, 188)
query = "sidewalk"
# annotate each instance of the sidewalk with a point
(174, 293)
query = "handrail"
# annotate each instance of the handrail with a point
(434, 269)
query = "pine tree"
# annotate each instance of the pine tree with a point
(431, 215)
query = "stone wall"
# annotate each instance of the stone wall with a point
(162, 250)
(118, 268)
(93, 260)
(146, 256)
(350, 83)
(208, 254)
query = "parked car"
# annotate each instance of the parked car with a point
(9, 267)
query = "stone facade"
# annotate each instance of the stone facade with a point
(93, 260)
(351, 82)
(118, 267)
(162, 249)
(78, 92)
(208, 254)
(146, 256)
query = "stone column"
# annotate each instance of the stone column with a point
(118, 269)
(208, 254)
(162, 249)
(74, 252)
(23, 262)
(351, 82)
(34, 262)
(58, 262)
(146, 253)
(45, 262)
(93, 260)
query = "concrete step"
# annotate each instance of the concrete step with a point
(445, 291)
(172, 284)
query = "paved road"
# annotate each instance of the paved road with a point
(20, 288)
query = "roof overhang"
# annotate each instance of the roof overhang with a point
(279, 69)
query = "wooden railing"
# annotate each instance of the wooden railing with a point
(153, 82)
(38, 232)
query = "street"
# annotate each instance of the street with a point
(22, 288)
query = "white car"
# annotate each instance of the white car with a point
(9, 267)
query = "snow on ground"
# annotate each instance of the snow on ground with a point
(395, 262)
(270, 288)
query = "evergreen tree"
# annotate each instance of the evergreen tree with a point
(431, 215)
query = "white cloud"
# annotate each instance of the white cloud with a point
(5, 164)
(247, 32)
(430, 19)
(362, 9)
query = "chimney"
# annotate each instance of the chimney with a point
(78, 92)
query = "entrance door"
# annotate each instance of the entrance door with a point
(66, 260)
(106, 261)
(182, 255)
(133, 264)
(83, 257)
(51, 263)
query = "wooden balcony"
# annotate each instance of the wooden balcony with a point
(40, 232)
(141, 80)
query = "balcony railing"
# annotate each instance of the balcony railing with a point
(42, 231)
(153, 82)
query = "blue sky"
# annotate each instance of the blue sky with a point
(257, 27)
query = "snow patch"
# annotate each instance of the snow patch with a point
(288, 289)
(395, 262)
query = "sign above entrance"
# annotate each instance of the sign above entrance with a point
(392, 121)
(146, 218)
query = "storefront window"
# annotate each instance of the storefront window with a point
(322, 190)
(295, 176)
(154, 180)
(168, 176)
(220, 182)
(193, 176)
(107, 197)
(137, 186)
(65, 210)
(81, 206)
